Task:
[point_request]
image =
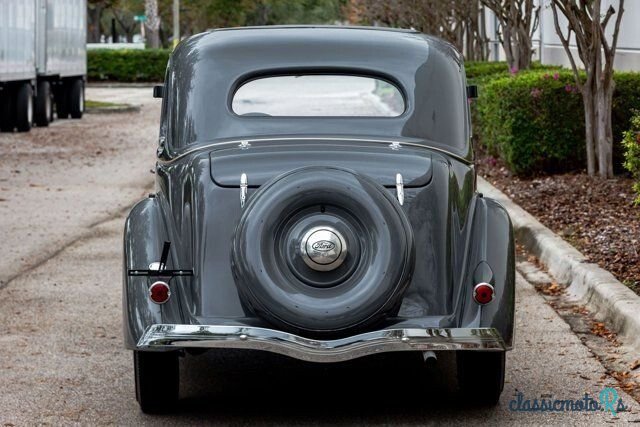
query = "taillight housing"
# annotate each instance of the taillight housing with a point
(159, 292)
(483, 293)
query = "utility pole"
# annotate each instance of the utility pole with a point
(176, 22)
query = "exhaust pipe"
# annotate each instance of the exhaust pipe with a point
(429, 357)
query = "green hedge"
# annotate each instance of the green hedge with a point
(127, 65)
(149, 65)
(479, 70)
(631, 144)
(535, 120)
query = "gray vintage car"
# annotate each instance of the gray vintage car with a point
(316, 197)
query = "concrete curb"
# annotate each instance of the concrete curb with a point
(596, 288)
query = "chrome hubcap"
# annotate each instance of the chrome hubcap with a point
(323, 248)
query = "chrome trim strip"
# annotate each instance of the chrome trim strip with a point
(319, 138)
(400, 188)
(166, 336)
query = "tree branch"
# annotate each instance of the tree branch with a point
(610, 56)
(555, 5)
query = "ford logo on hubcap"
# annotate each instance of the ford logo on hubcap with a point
(323, 248)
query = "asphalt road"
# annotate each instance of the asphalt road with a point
(61, 355)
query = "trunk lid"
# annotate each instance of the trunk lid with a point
(263, 162)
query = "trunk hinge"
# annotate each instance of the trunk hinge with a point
(400, 189)
(243, 189)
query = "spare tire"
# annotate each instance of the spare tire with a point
(322, 250)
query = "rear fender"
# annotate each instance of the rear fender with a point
(491, 260)
(145, 232)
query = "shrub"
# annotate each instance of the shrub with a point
(626, 100)
(127, 65)
(479, 70)
(631, 144)
(535, 120)
(482, 72)
(531, 120)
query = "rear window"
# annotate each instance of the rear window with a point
(318, 96)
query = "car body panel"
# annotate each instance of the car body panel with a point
(461, 238)
(456, 230)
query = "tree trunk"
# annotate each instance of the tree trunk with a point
(153, 38)
(483, 41)
(523, 45)
(604, 135)
(590, 121)
(587, 24)
(164, 38)
(517, 48)
(506, 45)
(152, 25)
(93, 24)
(114, 32)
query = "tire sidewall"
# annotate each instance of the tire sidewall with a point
(76, 99)
(24, 107)
(44, 104)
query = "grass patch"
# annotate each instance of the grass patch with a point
(633, 285)
(100, 104)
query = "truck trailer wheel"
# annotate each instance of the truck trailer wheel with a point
(76, 99)
(24, 107)
(7, 121)
(61, 97)
(44, 104)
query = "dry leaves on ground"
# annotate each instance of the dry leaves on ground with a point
(596, 216)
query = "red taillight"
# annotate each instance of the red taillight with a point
(483, 293)
(159, 292)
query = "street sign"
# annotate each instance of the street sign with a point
(140, 18)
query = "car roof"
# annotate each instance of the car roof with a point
(426, 69)
(328, 27)
(330, 34)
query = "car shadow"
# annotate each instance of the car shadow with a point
(240, 386)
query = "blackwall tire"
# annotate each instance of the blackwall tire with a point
(24, 107)
(61, 97)
(157, 380)
(481, 376)
(7, 116)
(76, 99)
(44, 104)
(280, 288)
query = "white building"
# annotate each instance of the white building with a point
(549, 50)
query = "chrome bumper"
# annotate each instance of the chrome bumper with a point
(243, 337)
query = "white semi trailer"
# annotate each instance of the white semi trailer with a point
(43, 61)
